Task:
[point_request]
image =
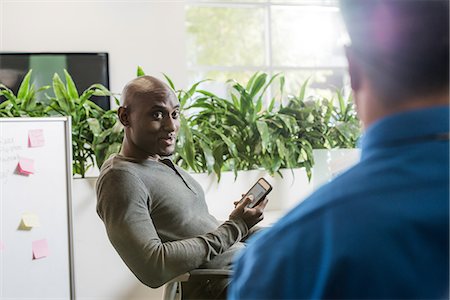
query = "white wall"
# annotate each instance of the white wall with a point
(147, 33)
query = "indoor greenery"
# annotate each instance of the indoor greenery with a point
(248, 129)
(243, 133)
(328, 123)
(25, 103)
(237, 134)
(91, 125)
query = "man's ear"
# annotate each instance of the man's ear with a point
(354, 69)
(123, 116)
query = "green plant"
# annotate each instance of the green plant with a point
(325, 124)
(343, 127)
(237, 134)
(108, 135)
(25, 103)
(96, 133)
(241, 133)
(87, 119)
(266, 136)
(216, 134)
(189, 151)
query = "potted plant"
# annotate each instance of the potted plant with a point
(333, 130)
(95, 132)
(241, 134)
(90, 123)
(25, 103)
(236, 134)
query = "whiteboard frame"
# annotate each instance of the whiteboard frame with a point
(69, 177)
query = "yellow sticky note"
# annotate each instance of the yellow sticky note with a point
(30, 220)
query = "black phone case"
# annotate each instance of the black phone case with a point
(256, 202)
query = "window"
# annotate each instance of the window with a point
(299, 38)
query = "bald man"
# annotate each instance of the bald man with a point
(154, 212)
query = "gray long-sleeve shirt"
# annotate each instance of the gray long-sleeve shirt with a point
(157, 219)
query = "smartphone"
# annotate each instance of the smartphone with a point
(259, 191)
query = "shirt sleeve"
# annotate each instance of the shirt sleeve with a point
(123, 204)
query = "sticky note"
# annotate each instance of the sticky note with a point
(30, 220)
(26, 166)
(40, 249)
(36, 138)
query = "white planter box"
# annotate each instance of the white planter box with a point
(330, 163)
(99, 271)
(100, 274)
(287, 191)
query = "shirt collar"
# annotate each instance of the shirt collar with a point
(406, 126)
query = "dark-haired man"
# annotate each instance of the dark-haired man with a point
(154, 212)
(381, 229)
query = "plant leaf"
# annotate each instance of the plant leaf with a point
(263, 130)
(140, 72)
(94, 126)
(301, 95)
(71, 87)
(24, 86)
(209, 156)
(61, 93)
(188, 146)
(257, 85)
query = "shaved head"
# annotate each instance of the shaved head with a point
(143, 89)
(150, 114)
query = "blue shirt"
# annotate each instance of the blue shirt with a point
(380, 230)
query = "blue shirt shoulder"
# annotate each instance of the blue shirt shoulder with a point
(380, 230)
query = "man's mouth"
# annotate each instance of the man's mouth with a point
(168, 141)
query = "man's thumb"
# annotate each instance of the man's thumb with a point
(247, 200)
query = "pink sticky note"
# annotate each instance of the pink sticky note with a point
(40, 249)
(36, 138)
(26, 166)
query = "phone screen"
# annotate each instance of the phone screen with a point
(258, 191)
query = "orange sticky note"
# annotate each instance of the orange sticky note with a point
(36, 138)
(26, 166)
(40, 249)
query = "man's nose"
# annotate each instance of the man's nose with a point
(170, 124)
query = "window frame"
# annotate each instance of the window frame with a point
(268, 66)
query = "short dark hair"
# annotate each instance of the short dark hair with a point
(403, 44)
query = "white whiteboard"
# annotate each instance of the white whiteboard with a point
(47, 195)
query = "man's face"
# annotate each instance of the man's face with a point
(154, 124)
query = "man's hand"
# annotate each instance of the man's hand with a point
(251, 216)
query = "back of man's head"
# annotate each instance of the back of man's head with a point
(403, 45)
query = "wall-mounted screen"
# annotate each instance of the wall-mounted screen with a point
(85, 69)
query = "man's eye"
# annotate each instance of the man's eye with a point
(176, 114)
(158, 115)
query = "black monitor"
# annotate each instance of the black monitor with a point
(85, 69)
